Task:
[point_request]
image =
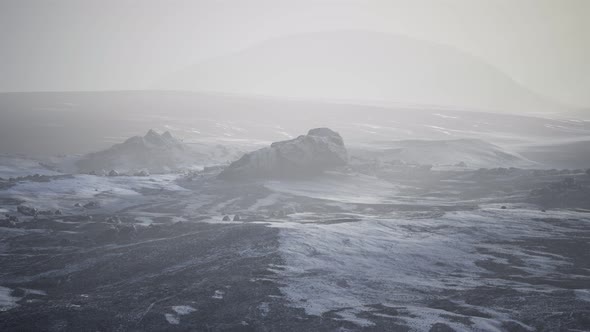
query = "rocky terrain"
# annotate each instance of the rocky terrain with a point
(304, 234)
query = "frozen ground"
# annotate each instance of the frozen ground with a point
(385, 249)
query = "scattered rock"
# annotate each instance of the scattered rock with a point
(503, 207)
(226, 218)
(26, 210)
(113, 173)
(77, 205)
(9, 223)
(237, 217)
(113, 220)
(127, 231)
(91, 205)
(289, 210)
(277, 214)
(143, 172)
(58, 212)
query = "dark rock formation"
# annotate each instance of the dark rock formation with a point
(321, 149)
(27, 210)
(153, 152)
(91, 205)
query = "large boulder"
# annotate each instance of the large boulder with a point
(321, 149)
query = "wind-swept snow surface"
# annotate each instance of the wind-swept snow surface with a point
(351, 266)
(472, 153)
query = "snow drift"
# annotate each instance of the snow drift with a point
(473, 153)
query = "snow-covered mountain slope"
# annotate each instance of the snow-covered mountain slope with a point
(464, 152)
(319, 150)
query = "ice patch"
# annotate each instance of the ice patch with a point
(179, 310)
(183, 309)
(172, 319)
(146, 221)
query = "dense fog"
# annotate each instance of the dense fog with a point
(294, 165)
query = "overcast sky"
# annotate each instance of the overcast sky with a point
(123, 44)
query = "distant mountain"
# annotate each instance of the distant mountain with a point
(471, 153)
(321, 149)
(365, 67)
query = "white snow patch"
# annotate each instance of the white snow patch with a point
(266, 201)
(7, 301)
(112, 193)
(172, 319)
(218, 295)
(183, 309)
(146, 221)
(339, 187)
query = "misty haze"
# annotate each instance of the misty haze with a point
(295, 165)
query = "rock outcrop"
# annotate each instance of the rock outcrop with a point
(321, 149)
(153, 152)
